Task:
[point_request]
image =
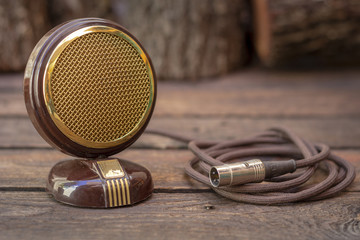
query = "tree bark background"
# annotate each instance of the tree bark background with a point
(186, 39)
(65, 10)
(324, 31)
(189, 39)
(192, 39)
(22, 24)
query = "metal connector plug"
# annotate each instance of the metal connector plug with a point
(249, 171)
(237, 173)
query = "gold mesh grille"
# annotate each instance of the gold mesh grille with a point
(100, 87)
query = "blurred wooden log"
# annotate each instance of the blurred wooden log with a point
(188, 39)
(65, 10)
(22, 24)
(288, 31)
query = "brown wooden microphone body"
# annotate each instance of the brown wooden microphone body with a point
(90, 91)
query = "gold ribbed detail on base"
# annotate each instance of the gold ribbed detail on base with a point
(118, 192)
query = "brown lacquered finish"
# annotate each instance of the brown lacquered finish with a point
(79, 182)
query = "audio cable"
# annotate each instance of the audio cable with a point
(230, 169)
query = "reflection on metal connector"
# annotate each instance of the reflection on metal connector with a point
(237, 173)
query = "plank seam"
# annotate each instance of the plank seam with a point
(355, 148)
(156, 190)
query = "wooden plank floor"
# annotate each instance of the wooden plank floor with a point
(321, 106)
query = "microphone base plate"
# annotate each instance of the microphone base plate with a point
(100, 183)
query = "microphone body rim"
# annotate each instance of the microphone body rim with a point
(35, 94)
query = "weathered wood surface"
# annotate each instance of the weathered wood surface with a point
(336, 132)
(34, 165)
(179, 216)
(255, 93)
(166, 167)
(321, 106)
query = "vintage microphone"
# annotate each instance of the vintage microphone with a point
(90, 91)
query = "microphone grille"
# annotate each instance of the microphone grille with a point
(89, 88)
(100, 88)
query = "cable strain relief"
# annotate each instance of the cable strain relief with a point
(277, 168)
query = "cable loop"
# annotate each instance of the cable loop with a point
(273, 143)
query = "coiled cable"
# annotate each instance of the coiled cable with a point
(273, 143)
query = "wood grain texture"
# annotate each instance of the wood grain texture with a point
(321, 106)
(256, 93)
(22, 24)
(62, 11)
(166, 167)
(338, 132)
(179, 216)
(316, 31)
(192, 39)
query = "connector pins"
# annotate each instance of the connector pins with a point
(249, 171)
(237, 173)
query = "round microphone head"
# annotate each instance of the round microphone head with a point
(89, 88)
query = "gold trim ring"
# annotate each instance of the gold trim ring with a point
(49, 95)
